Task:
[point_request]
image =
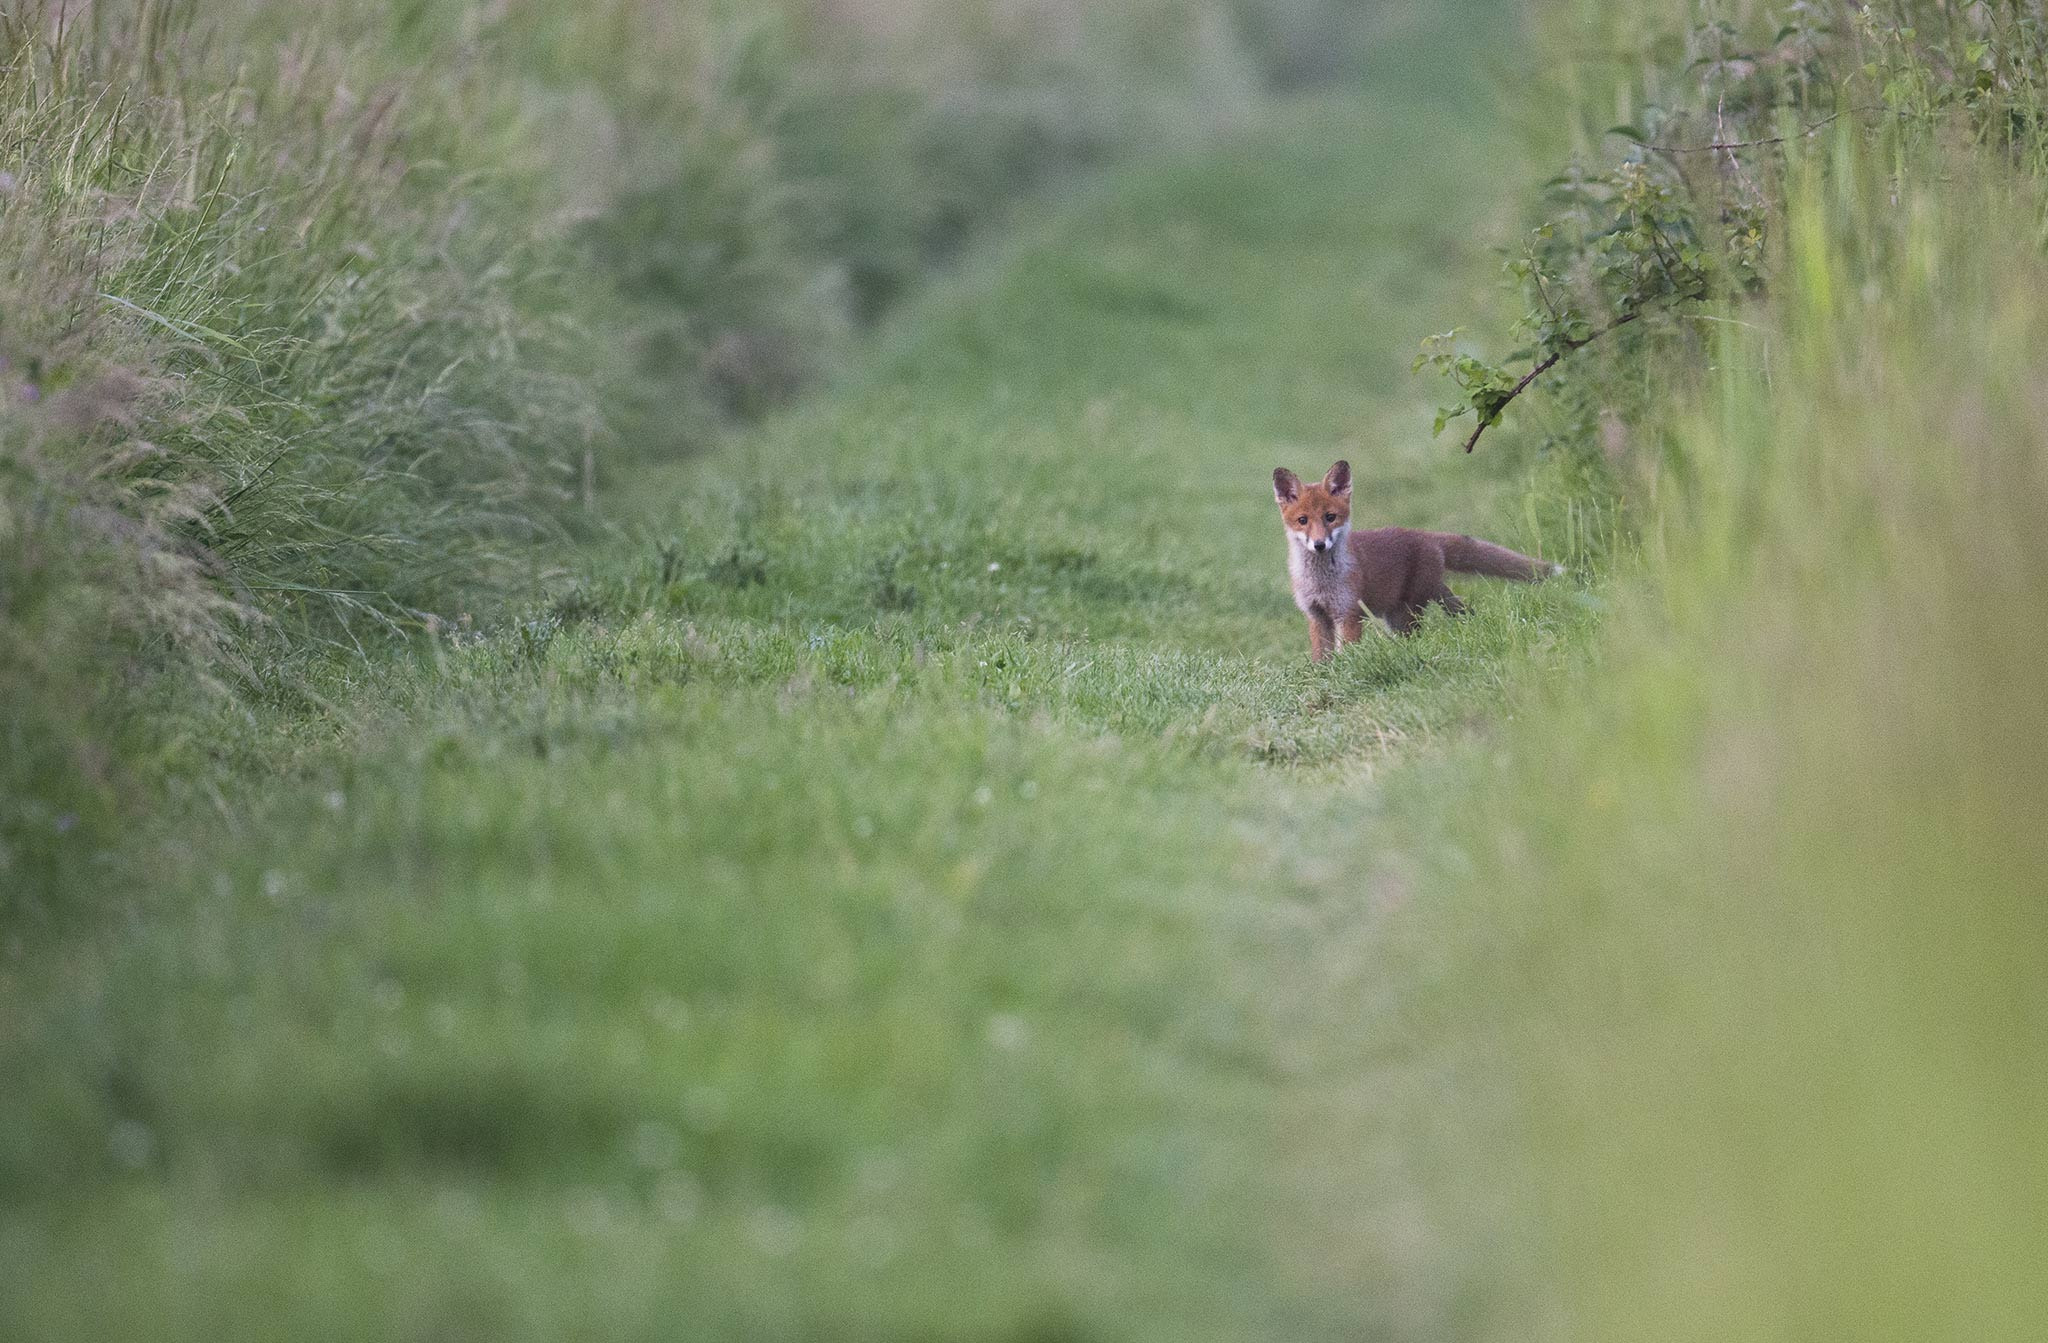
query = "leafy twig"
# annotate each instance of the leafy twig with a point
(1564, 348)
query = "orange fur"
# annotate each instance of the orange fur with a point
(1394, 572)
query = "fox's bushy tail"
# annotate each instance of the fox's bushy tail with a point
(1470, 555)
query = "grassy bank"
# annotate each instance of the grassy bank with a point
(877, 894)
(1741, 924)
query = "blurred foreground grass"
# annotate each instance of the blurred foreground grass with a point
(1756, 894)
(1749, 915)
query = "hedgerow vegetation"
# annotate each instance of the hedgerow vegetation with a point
(321, 321)
(1672, 211)
(1740, 927)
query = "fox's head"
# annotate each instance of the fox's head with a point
(1316, 516)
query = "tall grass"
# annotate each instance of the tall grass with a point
(270, 375)
(1739, 936)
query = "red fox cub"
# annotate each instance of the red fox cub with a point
(1392, 572)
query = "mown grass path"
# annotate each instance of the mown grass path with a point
(911, 887)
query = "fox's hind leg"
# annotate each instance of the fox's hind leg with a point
(1404, 618)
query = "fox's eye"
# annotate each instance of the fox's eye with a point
(1302, 520)
(1329, 517)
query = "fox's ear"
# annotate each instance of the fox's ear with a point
(1339, 479)
(1286, 485)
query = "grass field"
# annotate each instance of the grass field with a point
(886, 890)
(897, 876)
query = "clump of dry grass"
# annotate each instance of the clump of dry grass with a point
(98, 568)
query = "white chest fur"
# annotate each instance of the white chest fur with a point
(1321, 580)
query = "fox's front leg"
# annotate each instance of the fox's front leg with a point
(1322, 634)
(1352, 626)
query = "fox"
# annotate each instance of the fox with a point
(1392, 572)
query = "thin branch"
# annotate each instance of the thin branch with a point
(1725, 321)
(1542, 368)
(1722, 146)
